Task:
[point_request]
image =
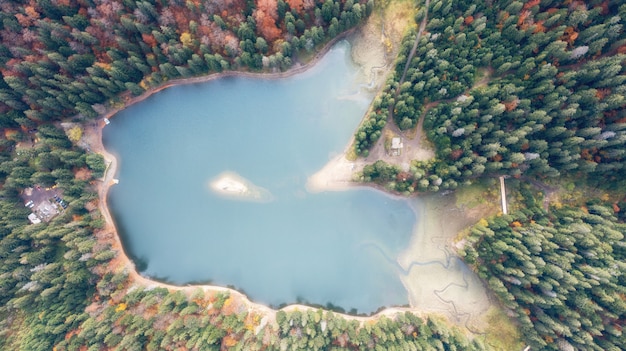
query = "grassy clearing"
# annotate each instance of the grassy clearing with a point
(399, 15)
(502, 333)
(483, 192)
(575, 192)
(351, 154)
(389, 135)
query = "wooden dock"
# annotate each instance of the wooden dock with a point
(503, 195)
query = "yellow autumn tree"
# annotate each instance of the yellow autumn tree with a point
(186, 39)
(120, 307)
(75, 133)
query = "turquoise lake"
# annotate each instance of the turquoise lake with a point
(330, 247)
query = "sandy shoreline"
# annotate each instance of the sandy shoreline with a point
(336, 175)
(432, 279)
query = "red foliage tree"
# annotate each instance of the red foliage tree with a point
(149, 39)
(456, 154)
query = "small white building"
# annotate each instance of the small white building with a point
(396, 146)
(34, 219)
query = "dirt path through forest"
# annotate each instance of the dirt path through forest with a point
(415, 44)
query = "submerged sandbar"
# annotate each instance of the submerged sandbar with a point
(233, 186)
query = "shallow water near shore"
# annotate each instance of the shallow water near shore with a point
(331, 247)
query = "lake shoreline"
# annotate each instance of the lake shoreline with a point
(297, 68)
(335, 176)
(109, 233)
(122, 263)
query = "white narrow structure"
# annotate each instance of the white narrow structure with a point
(503, 194)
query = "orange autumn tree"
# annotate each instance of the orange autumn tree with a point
(265, 15)
(301, 5)
(297, 5)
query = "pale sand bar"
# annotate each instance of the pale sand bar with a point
(233, 186)
(336, 175)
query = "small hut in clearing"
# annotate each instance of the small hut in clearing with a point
(396, 146)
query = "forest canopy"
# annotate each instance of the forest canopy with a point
(533, 90)
(510, 88)
(62, 58)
